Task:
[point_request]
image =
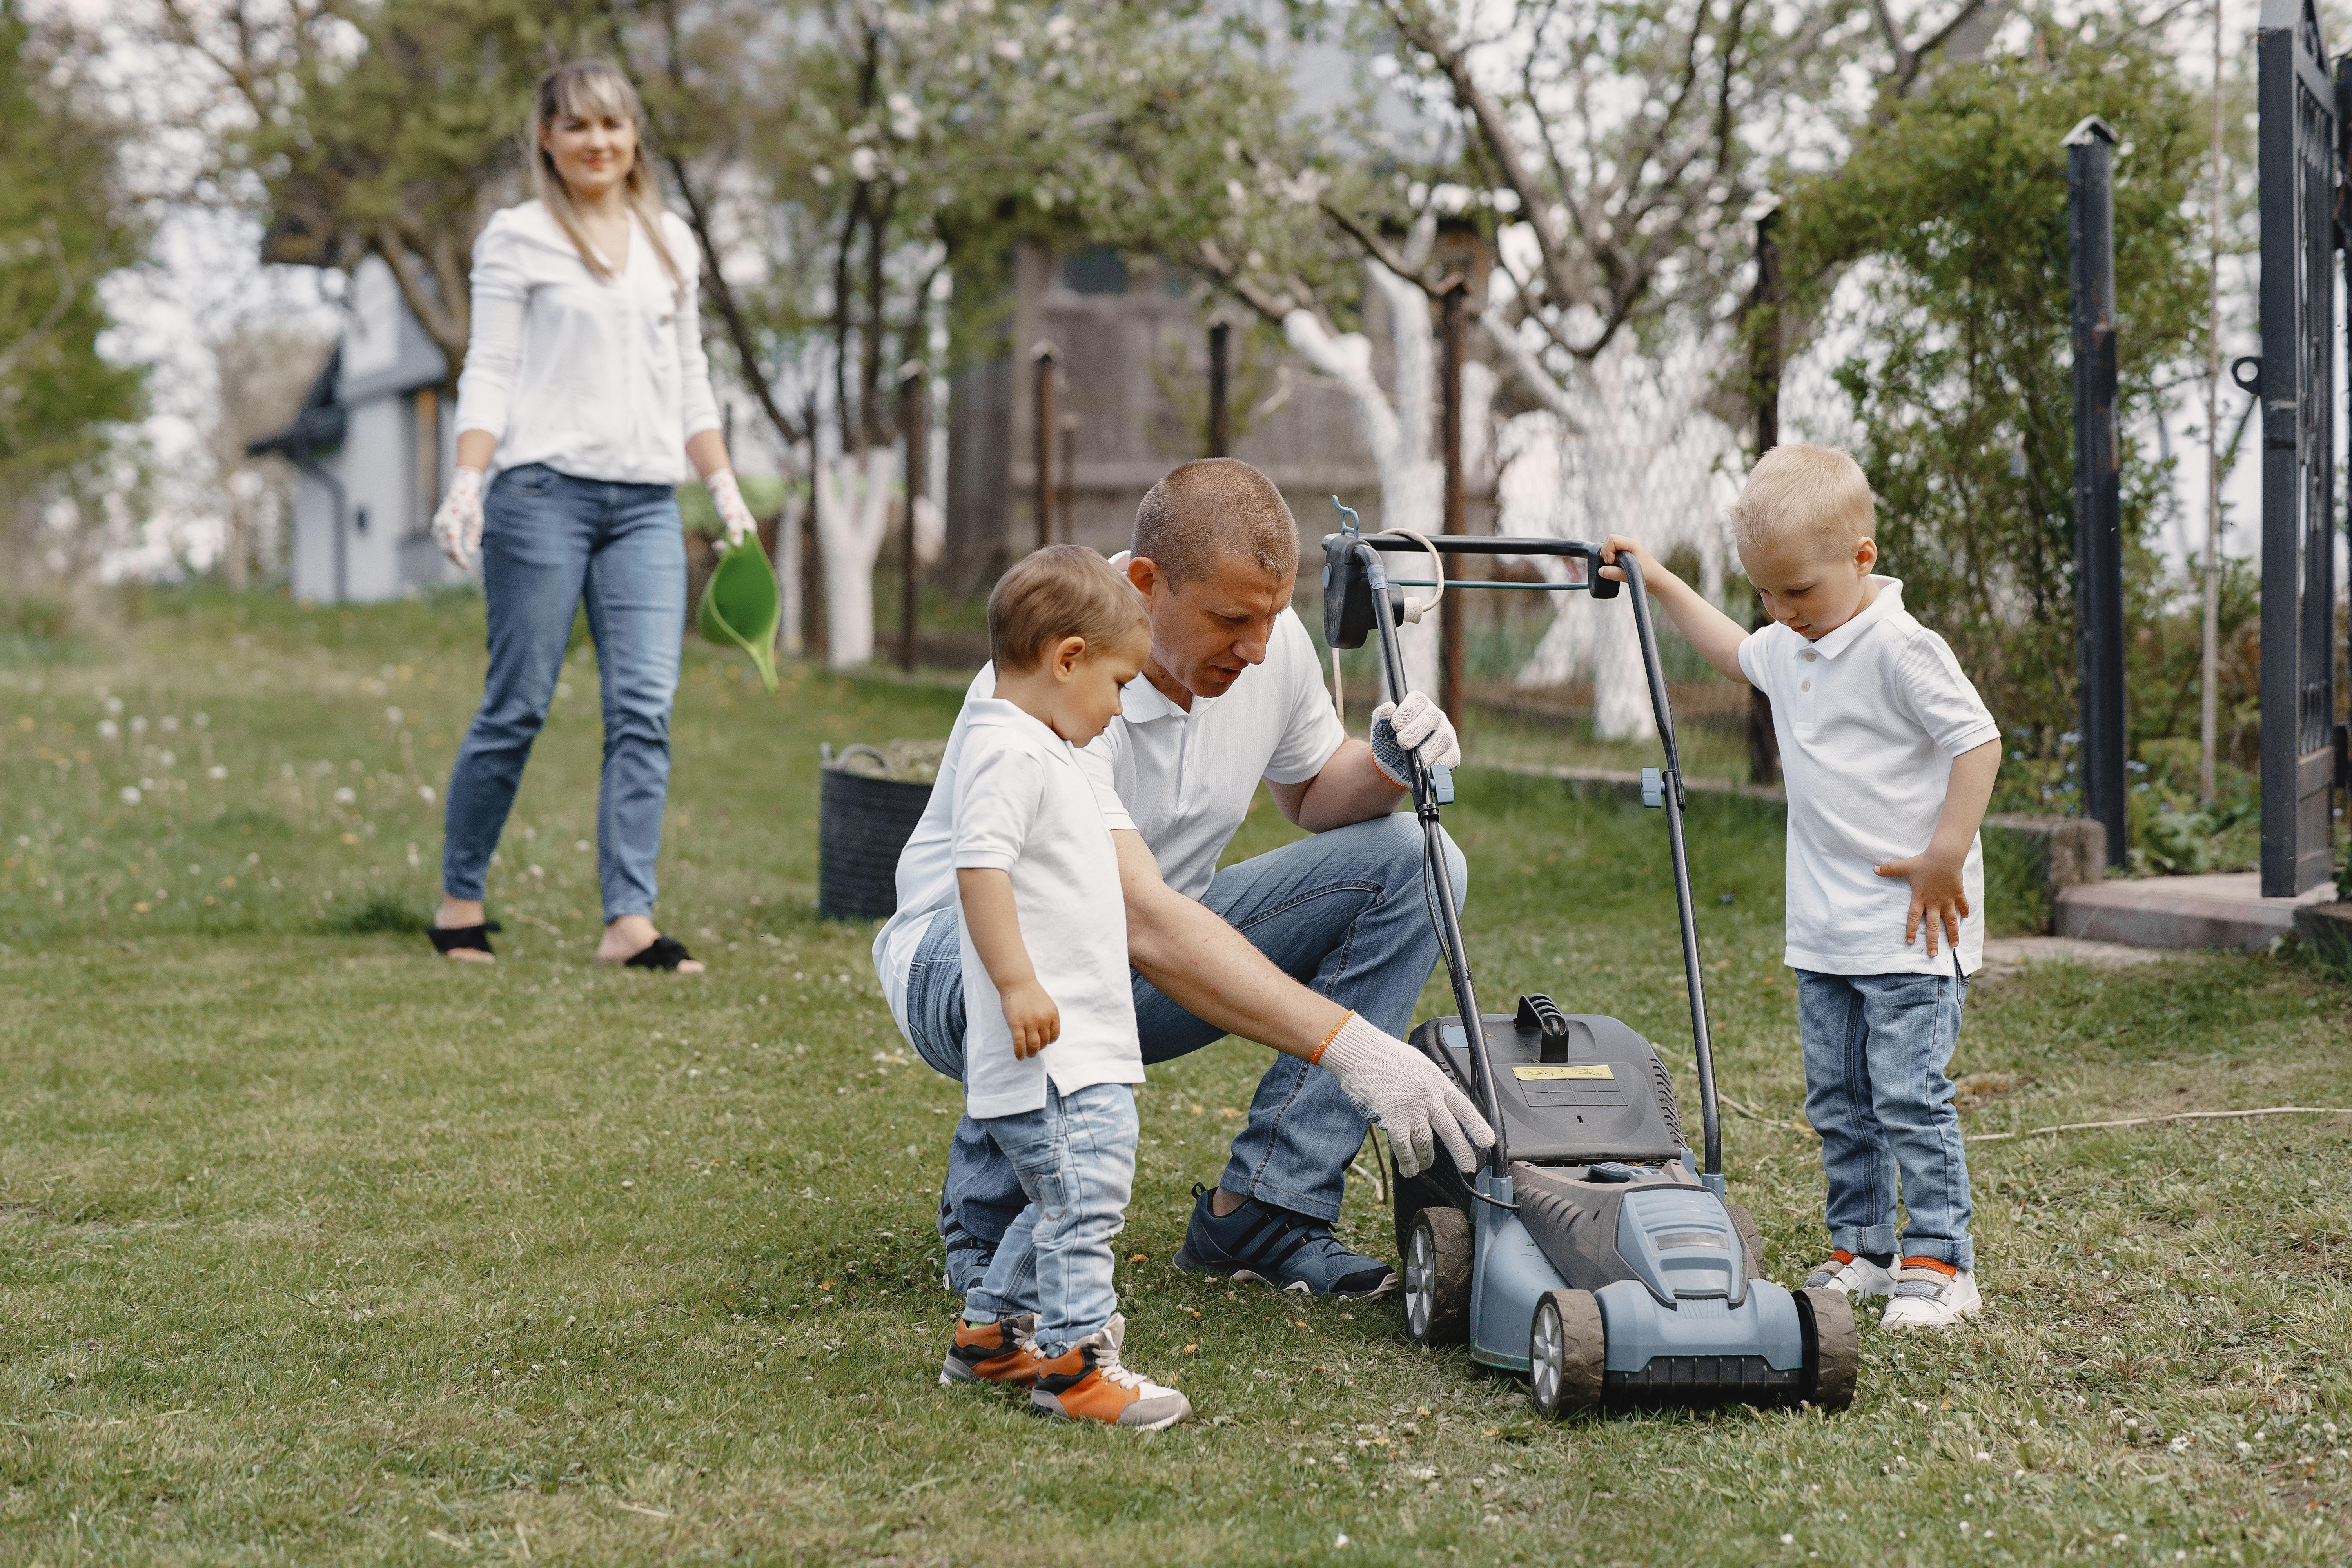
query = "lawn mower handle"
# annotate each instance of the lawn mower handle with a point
(1433, 867)
(1366, 547)
(1710, 1114)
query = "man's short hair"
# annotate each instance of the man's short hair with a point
(1202, 512)
(1816, 497)
(1062, 591)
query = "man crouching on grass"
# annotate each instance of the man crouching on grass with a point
(1318, 949)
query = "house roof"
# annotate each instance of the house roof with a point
(317, 422)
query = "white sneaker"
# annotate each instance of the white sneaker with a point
(1927, 1298)
(1857, 1277)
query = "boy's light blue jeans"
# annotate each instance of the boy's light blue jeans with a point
(1876, 1050)
(1076, 1159)
(1340, 911)
(549, 542)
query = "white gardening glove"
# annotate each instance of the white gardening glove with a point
(457, 520)
(733, 515)
(1417, 724)
(1408, 1094)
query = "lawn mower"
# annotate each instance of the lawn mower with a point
(1592, 1249)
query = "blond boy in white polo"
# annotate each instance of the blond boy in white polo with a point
(1889, 757)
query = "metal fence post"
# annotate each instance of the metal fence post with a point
(1066, 505)
(1763, 740)
(914, 406)
(2300, 192)
(1044, 357)
(1220, 340)
(2098, 480)
(2339, 735)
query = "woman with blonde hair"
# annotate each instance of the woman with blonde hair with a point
(585, 395)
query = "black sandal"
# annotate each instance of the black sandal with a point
(463, 939)
(662, 952)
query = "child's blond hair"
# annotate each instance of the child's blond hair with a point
(1062, 591)
(1816, 497)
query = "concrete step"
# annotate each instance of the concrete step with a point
(2225, 910)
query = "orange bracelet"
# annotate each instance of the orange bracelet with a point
(1327, 1041)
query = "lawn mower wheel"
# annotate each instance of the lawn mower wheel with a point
(1833, 1347)
(1568, 1354)
(1437, 1277)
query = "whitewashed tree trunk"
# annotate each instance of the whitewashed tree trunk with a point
(791, 627)
(852, 514)
(1399, 425)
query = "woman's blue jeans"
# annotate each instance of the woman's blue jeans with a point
(550, 544)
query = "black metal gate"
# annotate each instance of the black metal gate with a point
(2301, 187)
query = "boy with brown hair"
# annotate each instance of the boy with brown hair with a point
(1889, 758)
(1051, 1055)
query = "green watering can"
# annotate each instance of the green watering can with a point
(739, 606)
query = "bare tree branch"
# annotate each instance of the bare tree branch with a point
(1494, 125)
(730, 309)
(1209, 258)
(447, 325)
(1377, 249)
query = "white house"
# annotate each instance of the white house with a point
(373, 445)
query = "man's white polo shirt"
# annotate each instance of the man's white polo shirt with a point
(1870, 718)
(1183, 779)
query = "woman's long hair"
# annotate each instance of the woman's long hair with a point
(585, 88)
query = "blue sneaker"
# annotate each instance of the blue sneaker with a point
(967, 1256)
(1288, 1251)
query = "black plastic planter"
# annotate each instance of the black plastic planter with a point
(862, 824)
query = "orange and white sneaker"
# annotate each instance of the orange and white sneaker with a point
(1857, 1276)
(1004, 1352)
(1930, 1294)
(1085, 1382)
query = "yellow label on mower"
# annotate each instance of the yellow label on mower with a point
(1593, 1070)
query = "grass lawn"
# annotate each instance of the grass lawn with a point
(314, 1248)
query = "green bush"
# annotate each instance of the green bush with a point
(2016, 882)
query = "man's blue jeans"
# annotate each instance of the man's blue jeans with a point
(549, 542)
(1076, 1161)
(1342, 912)
(1876, 1050)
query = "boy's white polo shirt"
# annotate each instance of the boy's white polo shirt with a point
(1183, 779)
(1869, 718)
(1023, 806)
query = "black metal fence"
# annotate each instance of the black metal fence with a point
(2303, 156)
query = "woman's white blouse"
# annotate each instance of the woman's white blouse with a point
(600, 381)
